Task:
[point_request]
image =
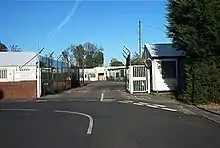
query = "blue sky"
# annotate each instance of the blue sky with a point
(56, 25)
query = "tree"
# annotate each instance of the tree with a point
(93, 55)
(99, 58)
(3, 47)
(79, 55)
(137, 60)
(115, 62)
(14, 48)
(194, 26)
(87, 55)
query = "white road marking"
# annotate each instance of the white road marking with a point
(153, 106)
(159, 105)
(102, 97)
(143, 103)
(125, 101)
(89, 131)
(13, 109)
(41, 100)
(90, 100)
(109, 100)
(169, 109)
(139, 103)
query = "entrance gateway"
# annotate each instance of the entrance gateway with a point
(138, 79)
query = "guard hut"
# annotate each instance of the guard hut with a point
(167, 71)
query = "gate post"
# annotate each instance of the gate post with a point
(148, 80)
(131, 80)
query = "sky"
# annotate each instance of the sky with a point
(55, 25)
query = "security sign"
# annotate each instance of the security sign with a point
(148, 62)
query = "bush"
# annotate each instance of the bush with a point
(203, 81)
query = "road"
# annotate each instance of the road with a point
(97, 116)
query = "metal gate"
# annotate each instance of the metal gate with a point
(137, 79)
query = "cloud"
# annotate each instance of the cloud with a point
(66, 19)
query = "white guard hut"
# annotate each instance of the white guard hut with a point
(167, 70)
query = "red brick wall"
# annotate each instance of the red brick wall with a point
(19, 90)
(61, 85)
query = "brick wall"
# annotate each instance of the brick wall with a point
(62, 85)
(19, 90)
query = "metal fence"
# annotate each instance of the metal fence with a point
(56, 76)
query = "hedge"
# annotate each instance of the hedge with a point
(203, 81)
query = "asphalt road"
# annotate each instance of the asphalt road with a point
(93, 118)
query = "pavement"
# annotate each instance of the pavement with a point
(103, 115)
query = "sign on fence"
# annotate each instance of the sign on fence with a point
(25, 75)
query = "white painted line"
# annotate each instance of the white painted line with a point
(89, 131)
(139, 103)
(41, 100)
(13, 109)
(125, 101)
(153, 106)
(102, 97)
(90, 100)
(109, 100)
(159, 105)
(143, 103)
(169, 109)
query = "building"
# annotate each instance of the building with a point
(16, 82)
(167, 72)
(103, 73)
(29, 75)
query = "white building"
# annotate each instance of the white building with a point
(167, 70)
(102, 73)
(21, 75)
(16, 82)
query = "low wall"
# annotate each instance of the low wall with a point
(19, 90)
(62, 85)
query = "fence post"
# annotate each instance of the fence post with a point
(38, 70)
(57, 74)
(131, 79)
(148, 80)
(193, 84)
